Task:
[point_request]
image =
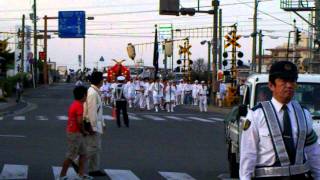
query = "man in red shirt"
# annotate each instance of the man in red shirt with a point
(75, 134)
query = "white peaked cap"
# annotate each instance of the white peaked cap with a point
(121, 78)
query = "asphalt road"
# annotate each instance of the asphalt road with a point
(183, 145)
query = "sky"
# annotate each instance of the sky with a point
(117, 23)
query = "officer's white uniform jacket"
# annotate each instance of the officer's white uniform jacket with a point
(257, 149)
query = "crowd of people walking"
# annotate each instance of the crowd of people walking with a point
(148, 94)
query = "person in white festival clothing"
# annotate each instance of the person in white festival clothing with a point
(178, 93)
(157, 93)
(203, 92)
(183, 85)
(105, 89)
(195, 91)
(278, 141)
(94, 109)
(170, 92)
(139, 98)
(221, 93)
(130, 92)
(147, 98)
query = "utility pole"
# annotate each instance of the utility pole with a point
(220, 38)
(254, 37)
(215, 4)
(22, 43)
(45, 42)
(260, 51)
(35, 43)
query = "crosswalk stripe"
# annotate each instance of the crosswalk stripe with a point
(107, 117)
(134, 118)
(176, 118)
(200, 119)
(12, 171)
(41, 118)
(62, 118)
(19, 118)
(70, 173)
(217, 119)
(176, 176)
(156, 118)
(117, 174)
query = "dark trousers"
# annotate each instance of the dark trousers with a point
(306, 176)
(122, 106)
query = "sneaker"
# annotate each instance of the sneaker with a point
(85, 177)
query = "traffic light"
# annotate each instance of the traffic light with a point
(298, 36)
(225, 62)
(240, 63)
(188, 11)
(169, 7)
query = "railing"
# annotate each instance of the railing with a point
(297, 5)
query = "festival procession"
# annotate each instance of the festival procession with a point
(160, 90)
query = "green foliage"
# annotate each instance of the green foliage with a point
(8, 84)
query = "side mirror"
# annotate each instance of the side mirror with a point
(243, 110)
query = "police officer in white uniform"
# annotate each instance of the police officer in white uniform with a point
(278, 141)
(120, 102)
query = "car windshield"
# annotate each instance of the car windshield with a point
(306, 94)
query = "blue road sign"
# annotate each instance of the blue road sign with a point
(72, 24)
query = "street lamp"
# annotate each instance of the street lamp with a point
(84, 46)
(209, 58)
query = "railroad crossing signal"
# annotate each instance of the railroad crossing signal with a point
(232, 40)
(185, 50)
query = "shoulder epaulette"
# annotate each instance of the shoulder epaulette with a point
(258, 106)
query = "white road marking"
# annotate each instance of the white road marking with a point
(19, 118)
(134, 118)
(176, 176)
(176, 118)
(1, 118)
(70, 173)
(41, 118)
(217, 119)
(62, 118)
(155, 118)
(200, 119)
(107, 117)
(11, 171)
(117, 174)
(12, 135)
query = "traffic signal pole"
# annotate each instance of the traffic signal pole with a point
(45, 42)
(294, 45)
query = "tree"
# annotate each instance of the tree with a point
(199, 65)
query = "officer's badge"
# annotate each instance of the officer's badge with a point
(246, 124)
(287, 67)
